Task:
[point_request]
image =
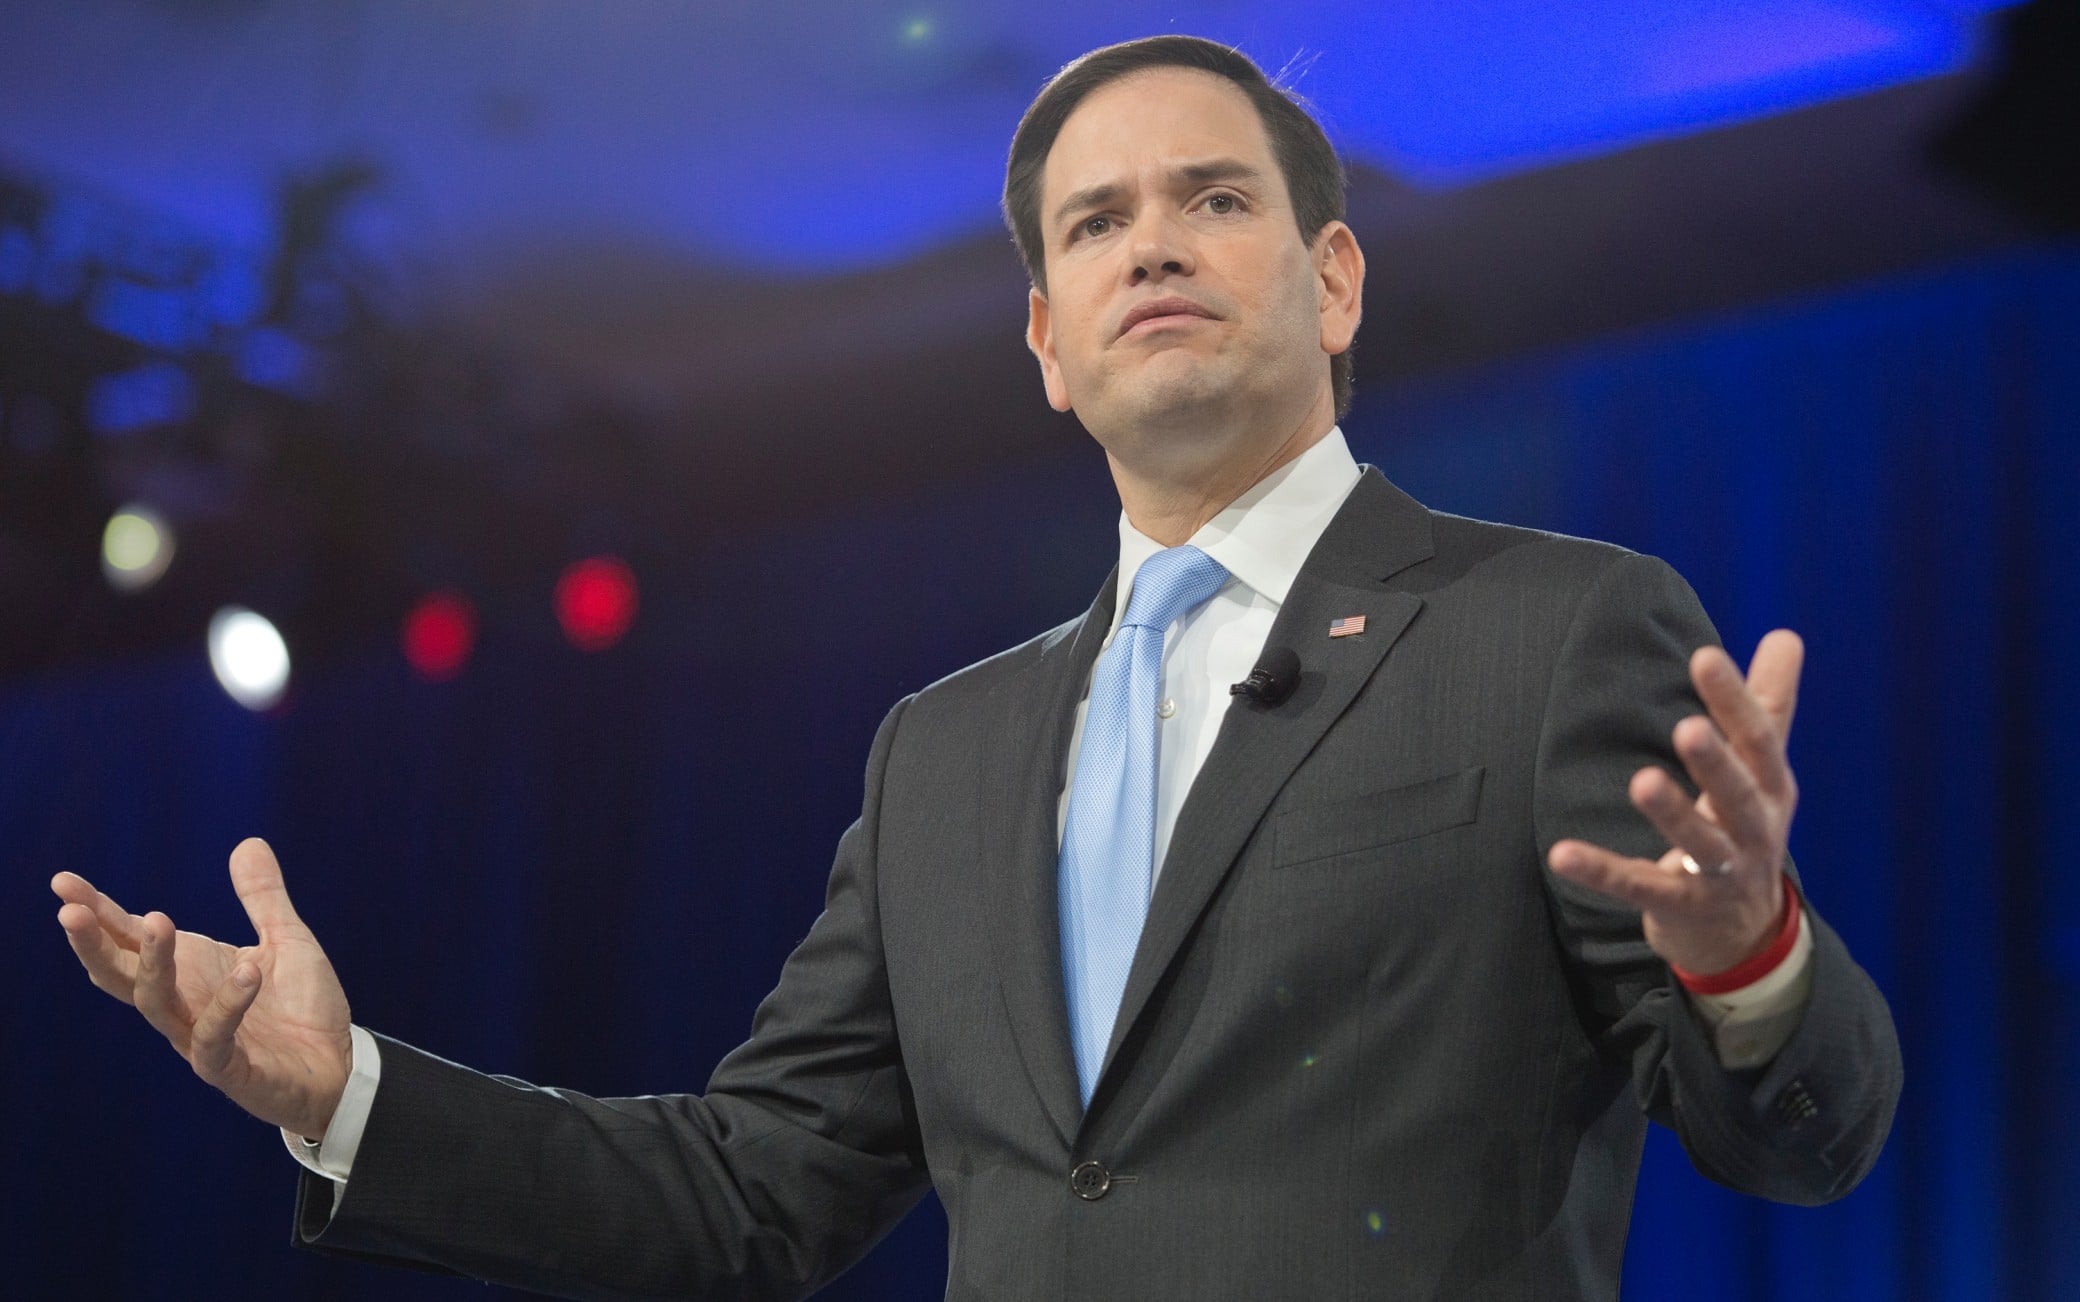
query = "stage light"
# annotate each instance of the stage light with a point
(249, 657)
(136, 548)
(596, 602)
(440, 632)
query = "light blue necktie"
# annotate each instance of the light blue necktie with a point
(1108, 840)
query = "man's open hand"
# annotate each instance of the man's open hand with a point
(1736, 829)
(266, 1023)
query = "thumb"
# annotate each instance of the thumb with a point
(258, 880)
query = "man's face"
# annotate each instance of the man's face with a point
(1162, 193)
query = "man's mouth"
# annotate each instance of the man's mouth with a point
(1161, 312)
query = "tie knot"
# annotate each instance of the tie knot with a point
(1171, 583)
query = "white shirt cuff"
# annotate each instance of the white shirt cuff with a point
(333, 1157)
(1750, 1024)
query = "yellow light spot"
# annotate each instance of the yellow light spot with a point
(130, 541)
(1375, 1224)
(1309, 1059)
(136, 547)
(918, 30)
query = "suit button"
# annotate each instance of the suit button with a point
(1091, 1181)
(1795, 1106)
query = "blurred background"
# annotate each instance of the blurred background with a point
(511, 455)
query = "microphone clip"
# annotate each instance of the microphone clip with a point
(1276, 674)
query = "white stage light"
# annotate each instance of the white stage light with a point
(250, 659)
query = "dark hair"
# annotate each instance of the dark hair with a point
(1308, 162)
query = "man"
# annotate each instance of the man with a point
(1354, 982)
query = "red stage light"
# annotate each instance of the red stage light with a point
(596, 602)
(439, 634)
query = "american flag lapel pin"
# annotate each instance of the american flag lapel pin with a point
(1348, 626)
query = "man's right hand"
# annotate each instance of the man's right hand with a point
(267, 1023)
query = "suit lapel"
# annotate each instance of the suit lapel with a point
(1378, 532)
(1026, 772)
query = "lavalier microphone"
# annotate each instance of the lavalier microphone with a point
(1273, 680)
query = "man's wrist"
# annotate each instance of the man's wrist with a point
(332, 1153)
(1750, 1025)
(1765, 961)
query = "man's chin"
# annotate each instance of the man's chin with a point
(1176, 426)
(1182, 396)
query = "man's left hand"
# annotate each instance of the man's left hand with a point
(1728, 909)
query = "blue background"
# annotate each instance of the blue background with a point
(587, 869)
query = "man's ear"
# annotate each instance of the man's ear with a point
(1340, 265)
(1039, 338)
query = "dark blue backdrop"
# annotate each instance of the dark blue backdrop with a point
(587, 869)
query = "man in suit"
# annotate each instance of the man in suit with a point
(1358, 983)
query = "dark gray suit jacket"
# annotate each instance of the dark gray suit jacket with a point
(1369, 1047)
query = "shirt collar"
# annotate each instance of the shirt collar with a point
(1262, 537)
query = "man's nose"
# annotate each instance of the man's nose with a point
(1159, 250)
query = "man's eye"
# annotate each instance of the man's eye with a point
(1222, 204)
(1094, 226)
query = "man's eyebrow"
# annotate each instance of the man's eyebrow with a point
(1201, 173)
(1090, 196)
(1219, 169)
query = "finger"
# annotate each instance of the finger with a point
(1682, 821)
(1737, 802)
(1641, 883)
(257, 878)
(156, 995)
(214, 1040)
(1743, 719)
(1774, 673)
(123, 926)
(109, 966)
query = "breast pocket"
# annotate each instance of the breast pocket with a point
(1315, 832)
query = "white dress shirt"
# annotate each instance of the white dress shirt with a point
(1261, 539)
